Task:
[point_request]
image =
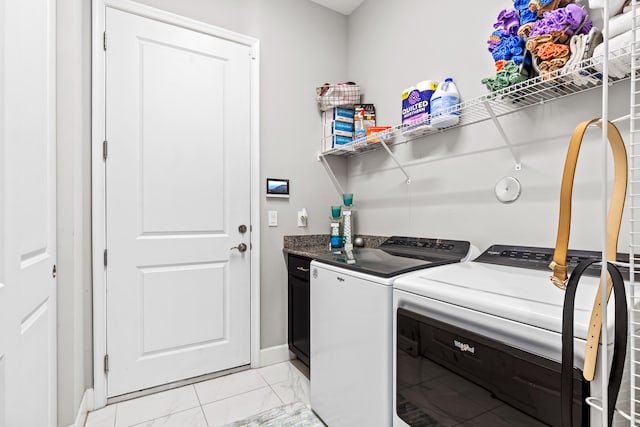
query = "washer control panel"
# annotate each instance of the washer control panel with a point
(425, 248)
(539, 258)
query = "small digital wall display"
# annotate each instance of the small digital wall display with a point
(277, 187)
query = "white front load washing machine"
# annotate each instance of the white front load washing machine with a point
(351, 325)
(479, 343)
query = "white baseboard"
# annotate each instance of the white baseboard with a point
(86, 405)
(273, 355)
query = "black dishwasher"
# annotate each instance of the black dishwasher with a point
(299, 306)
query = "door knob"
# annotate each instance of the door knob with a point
(241, 247)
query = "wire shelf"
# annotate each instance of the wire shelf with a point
(558, 84)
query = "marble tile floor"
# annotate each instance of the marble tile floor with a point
(210, 403)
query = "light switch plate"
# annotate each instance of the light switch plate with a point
(273, 218)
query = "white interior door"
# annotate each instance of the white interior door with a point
(27, 214)
(178, 189)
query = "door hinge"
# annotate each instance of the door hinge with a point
(54, 271)
(105, 258)
(104, 40)
(104, 150)
(106, 363)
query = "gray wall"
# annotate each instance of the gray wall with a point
(75, 373)
(454, 173)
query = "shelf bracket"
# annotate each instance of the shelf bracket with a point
(388, 150)
(327, 166)
(502, 133)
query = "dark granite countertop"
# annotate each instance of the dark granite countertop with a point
(310, 246)
(313, 245)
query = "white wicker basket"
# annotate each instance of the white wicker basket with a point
(330, 96)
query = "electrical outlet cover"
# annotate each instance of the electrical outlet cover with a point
(302, 219)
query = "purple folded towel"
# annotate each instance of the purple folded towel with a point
(571, 19)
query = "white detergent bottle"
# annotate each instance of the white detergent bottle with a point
(444, 111)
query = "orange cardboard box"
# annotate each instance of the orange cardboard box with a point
(373, 130)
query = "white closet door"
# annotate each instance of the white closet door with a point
(178, 188)
(27, 214)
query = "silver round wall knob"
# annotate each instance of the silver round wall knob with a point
(507, 189)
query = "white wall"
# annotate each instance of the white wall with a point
(75, 373)
(393, 45)
(302, 45)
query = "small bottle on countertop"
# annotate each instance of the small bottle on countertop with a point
(347, 211)
(336, 240)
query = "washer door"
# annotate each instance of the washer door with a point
(446, 375)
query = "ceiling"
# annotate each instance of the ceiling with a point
(343, 6)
